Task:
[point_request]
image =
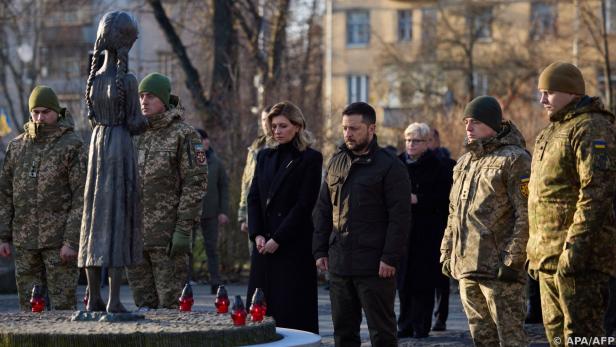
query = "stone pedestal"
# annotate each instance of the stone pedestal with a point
(163, 328)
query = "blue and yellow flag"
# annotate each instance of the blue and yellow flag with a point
(5, 128)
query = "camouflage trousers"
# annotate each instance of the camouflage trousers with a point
(158, 280)
(573, 306)
(44, 267)
(495, 312)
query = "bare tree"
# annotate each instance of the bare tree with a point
(264, 27)
(193, 82)
(595, 22)
(458, 61)
(20, 29)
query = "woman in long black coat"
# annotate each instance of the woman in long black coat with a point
(283, 193)
(431, 180)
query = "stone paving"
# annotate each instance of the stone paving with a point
(456, 334)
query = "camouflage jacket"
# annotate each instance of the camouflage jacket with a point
(173, 177)
(572, 187)
(41, 188)
(487, 225)
(249, 171)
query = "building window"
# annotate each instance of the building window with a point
(480, 21)
(610, 16)
(480, 83)
(405, 25)
(428, 24)
(357, 88)
(72, 66)
(69, 14)
(358, 27)
(601, 81)
(542, 20)
(167, 63)
(61, 63)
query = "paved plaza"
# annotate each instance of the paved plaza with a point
(456, 335)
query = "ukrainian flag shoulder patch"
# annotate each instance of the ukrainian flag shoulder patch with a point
(599, 144)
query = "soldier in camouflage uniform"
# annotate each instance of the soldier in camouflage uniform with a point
(572, 244)
(484, 246)
(249, 170)
(41, 201)
(173, 172)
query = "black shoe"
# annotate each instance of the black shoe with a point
(405, 334)
(439, 326)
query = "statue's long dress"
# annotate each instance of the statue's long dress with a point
(111, 228)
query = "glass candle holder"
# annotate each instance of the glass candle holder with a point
(186, 299)
(238, 312)
(222, 300)
(37, 300)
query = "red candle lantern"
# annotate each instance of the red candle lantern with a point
(186, 299)
(258, 306)
(222, 300)
(238, 312)
(37, 300)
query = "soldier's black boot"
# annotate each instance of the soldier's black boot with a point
(533, 312)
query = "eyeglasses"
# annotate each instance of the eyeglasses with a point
(411, 141)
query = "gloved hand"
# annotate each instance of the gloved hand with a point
(569, 263)
(507, 274)
(180, 244)
(446, 268)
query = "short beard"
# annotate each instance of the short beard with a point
(360, 147)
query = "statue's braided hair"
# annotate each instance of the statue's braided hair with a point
(117, 31)
(95, 59)
(122, 66)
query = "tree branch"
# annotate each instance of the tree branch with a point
(202, 104)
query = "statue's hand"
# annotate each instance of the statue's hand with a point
(180, 244)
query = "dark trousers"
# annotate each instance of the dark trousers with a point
(209, 230)
(442, 298)
(416, 312)
(534, 297)
(349, 294)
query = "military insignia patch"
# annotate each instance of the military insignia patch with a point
(599, 144)
(200, 157)
(599, 154)
(524, 186)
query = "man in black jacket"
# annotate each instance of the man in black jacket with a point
(362, 219)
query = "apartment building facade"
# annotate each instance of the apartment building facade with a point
(417, 60)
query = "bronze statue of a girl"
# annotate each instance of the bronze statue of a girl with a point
(111, 228)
